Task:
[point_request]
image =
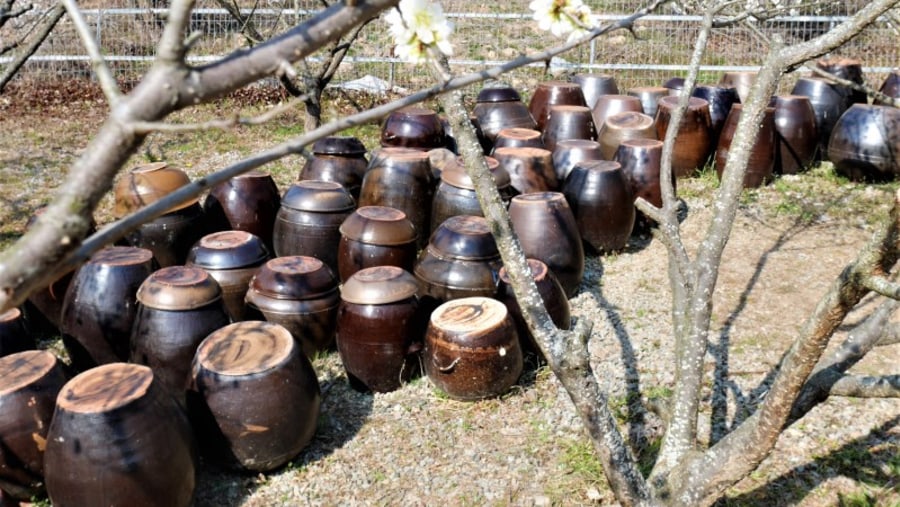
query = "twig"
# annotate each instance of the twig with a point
(859, 386)
(50, 20)
(882, 285)
(104, 75)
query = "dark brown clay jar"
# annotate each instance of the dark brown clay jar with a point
(119, 438)
(472, 351)
(248, 202)
(500, 108)
(14, 335)
(413, 127)
(570, 152)
(761, 163)
(518, 138)
(254, 397)
(601, 200)
(401, 179)
(178, 307)
(101, 305)
(624, 126)
(301, 294)
(456, 195)
(529, 169)
(568, 122)
(649, 96)
(741, 81)
(232, 258)
(595, 85)
(553, 93)
(552, 295)
(640, 160)
(693, 143)
(796, 138)
(849, 69)
(376, 236)
(720, 99)
(380, 328)
(827, 102)
(148, 183)
(548, 232)
(309, 220)
(341, 159)
(865, 143)
(171, 236)
(28, 388)
(608, 105)
(890, 87)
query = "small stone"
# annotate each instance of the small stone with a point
(541, 501)
(594, 495)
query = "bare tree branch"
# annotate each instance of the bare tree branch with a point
(221, 124)
(881, 285)
(890, 337)
(871, 92)
(44, 28)
(858, 386)
(104, 75)
(8, 12)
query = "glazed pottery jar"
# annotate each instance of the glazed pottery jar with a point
(301, 294)
(119, 438)
(14, 335)
(171, 236)
(865, 143)
(552, 295)
(693, 142)
(456, 193)
(254, 397)
(101, 305)
(553, 93)
(148, 183)
(28, 387)
(890, 87)
(649, 96)
(529, 169)
(621, 127)
(472, 351)
(595, 85)
(796, 138)
(379, 328)
(232, 258)
(601, 200)
(761, 162)
(401, 179)
(413, 127)
(248, 202)
(849, 69)
(461, 260)
(570, 152)
(310, 218)
(376, 236)
(497, 108)
(827, 102)
(720, 100)
(518, 138)
(178, 307)
(640, 160)
(548, 232)
(341, 159)
(568, 122)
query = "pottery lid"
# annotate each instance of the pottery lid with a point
(294, 277)
(468, 318)
(519, 133)
(318, 195)
(10, 315)
(379, 225)
(539, 271)
(339, 145)
(498, 94)
(178, 288)
(22, 369)
(121, 256)
(246, 348)
(379, 285)
(694, 103)
(149, 183)
(455, 174)
(105, 388)
(465, 237)
(674, 83)
(629, 120)
(228, 250)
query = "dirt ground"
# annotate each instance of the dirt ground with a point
(416, 447)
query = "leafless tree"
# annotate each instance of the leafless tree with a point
(686, 472)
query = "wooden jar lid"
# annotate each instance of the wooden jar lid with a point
(24, 368)
(105, 388)
(245, 348)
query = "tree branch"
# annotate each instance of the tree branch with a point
(890, 337)
(104, 75)
(871, 92)
(858, 386)
(47, 24)
(222, 124)
(881, 285)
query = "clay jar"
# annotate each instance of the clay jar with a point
(865, 143)
(761, 162)
(796, 138)
(118, 438)
(232, 258)
(413, 127)
(649, 96)
(254, 398)
(640, 160)
(548, 232)
(148, 183)
(827, 102)
(497, 108)
(720, 99)
(472, 351)
(309, 220)
(456, 193)
(595, 85)
(570, 152)
(849, 69)
(890, 87)
(401, 179)
(693, 140)
(28, 388)
(624, 126)
(529, 169)
(101, 305)
(248, 202)
(380, 328)
(376, 236)
(178, 307)
(608, 105)
(461, 260)
(568, 122)
(301, 294)
(341, 159)
(741, 81)
(553, 93)
(602, 203)
(14, 336)
(518, 138)
(552, 295)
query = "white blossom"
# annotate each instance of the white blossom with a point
(417, 25)
(562, 17)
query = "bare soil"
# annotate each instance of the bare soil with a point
(416, 447)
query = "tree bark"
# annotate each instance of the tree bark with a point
(49, 22)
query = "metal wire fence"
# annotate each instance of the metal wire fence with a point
(485, 35)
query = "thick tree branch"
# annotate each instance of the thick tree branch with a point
(104, 75)
(48, 22)
(858, 386)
